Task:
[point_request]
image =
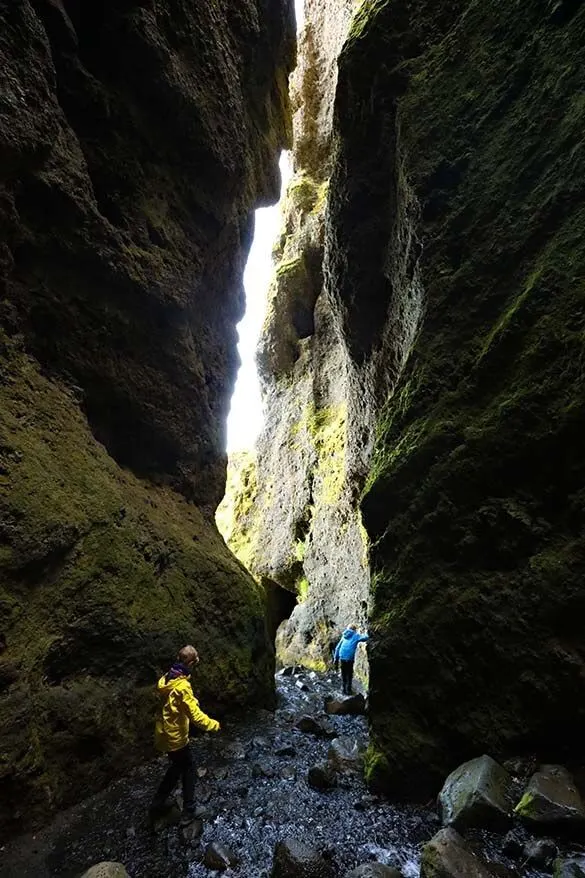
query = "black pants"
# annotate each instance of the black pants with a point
(181, 767)
(346, 676)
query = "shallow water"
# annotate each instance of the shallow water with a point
(247, 812)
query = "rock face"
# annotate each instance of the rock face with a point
(301, 525)
(422, 369)
(476, 794)
(135, 140)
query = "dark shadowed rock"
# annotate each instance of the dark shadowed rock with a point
(373, 870)
(551, 798)
(447, 856)
(192, 832)
(286, 750)
(313, 726)
(354, 704)
(513, 844)
(219, 856)
(295, 859)
(476, 794)
(321, 776)
(571, 867)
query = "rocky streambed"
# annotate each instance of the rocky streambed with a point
(267, 778)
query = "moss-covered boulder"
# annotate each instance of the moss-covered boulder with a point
(477, 793)
(447, 856)
(136, 139)
(551, 799)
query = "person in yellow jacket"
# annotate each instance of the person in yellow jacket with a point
(179, 708)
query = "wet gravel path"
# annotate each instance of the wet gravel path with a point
(252, 795)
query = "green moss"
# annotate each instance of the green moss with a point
(103, 578)
(302, 590)
(303, 193)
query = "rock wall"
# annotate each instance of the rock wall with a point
(136, 138)
(297, 522)
(474, 504)
(423, 365)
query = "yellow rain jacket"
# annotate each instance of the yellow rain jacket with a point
(179, 708)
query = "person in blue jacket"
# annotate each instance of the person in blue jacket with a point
(345, 653)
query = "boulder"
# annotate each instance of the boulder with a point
(219, 857)
(373, 870)
(540, 852)
(295, 859)
(285, 750)
(447, 856)
(321, 776)
(312, 726)
(551, 799)
(344, 753)
(476, 794)
(353, 704)
(106, 870)
(572, 867)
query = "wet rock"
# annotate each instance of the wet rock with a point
(288, 773)
(295, 859)
(192, 832)
(344, 754)
(205, 812)
(285, 750)
(260, 769)
(354, 705)
(540, 852)
(221, 773)
(373, 870)
(512, 844)
(170, 815)
(106, 870)
(289, 671)
(302, 686)
(312, 726)
(219, 857)
(551, 799)
(260, 743)
(572, 867)
(447, 856)
(367, 801)
(476, 794)
(321, 776)
(201, 772)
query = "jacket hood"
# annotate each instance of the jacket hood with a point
(349, 633)
(165, 686)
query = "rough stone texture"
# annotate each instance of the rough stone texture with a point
(551, 798)
(373, 870)
(476, 794)
(295, 859)
(106, 870)
(135, 140)
(447, 856)
(302, 528)
(460, 173)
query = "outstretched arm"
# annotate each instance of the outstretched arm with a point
(196, 715)
(363, 638)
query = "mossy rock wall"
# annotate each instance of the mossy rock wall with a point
(135, 141)
(455, 248)
(301, 528)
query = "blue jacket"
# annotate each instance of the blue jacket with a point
(346, 648)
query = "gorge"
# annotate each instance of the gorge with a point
(421, 469)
